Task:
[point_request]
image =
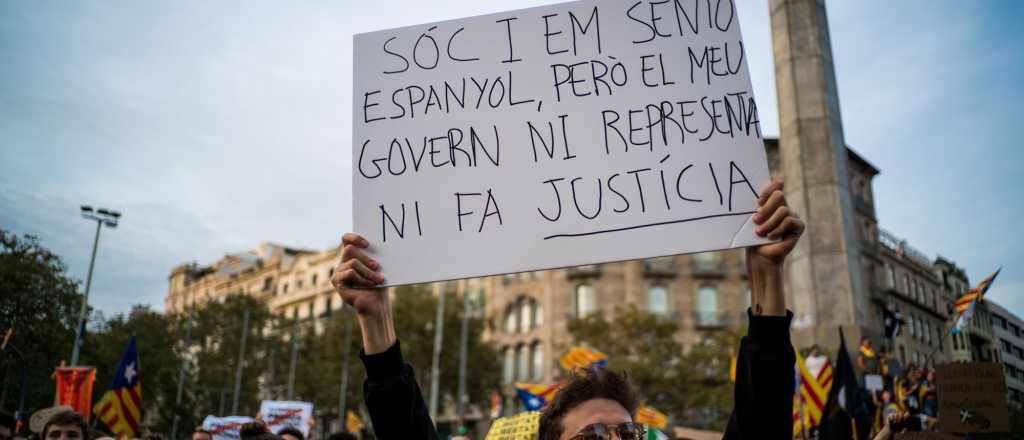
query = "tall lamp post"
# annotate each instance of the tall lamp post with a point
(103, 217)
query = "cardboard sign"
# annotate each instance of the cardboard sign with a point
(925, 435)
(873, 382)
(225, 428)
(972, 397)
(282, 414)
(578, 133)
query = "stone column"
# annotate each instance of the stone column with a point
(823, 273)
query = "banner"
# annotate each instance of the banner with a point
(972, 397)
(522, 426)
(74, 388)
(278, 414)
(225, 428)
(576, 133)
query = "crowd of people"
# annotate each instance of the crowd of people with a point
(907, 392)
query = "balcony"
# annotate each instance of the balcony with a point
(586, 271)
(660, 267)
(707, 268)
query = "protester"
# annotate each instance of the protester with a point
(291, 433)
(815, 360)
(591, 403)
(342, 436)
(929, 398)
(890, 367)
(256, 431)
(66, 425)
(893, 420)
(866, 359)
(7, 426)
(201, 434)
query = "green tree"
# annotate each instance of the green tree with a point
(319, 362)
(692, 388)
(41, 303)
(156, 336)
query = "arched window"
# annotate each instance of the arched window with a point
(522, 363)
(538, 314)
(525, 315)
(707, 306)
(586, 301)
(910, 325)
(510, 319)
(538, 361)
(508, 366)
(657, 300)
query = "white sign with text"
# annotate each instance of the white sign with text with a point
(280, 414)
(563, 135)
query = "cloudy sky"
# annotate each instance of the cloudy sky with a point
(216, 125)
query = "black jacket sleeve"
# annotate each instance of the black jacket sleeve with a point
(394, 399)
(763, 400)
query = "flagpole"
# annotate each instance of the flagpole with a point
(241, 362)
(435, 369)
(181, 379)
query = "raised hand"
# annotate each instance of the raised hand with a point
(774, 221)
(357, 279)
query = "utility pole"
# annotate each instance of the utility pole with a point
(291, 366)
(344, 371)
(241, 362)
(102, 217)
(181, 379)
(463, 349)
(435, 372)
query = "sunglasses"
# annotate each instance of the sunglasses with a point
(598, 431)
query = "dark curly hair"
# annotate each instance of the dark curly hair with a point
(292, 431)
(583, 386)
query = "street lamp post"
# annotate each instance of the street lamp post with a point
(103, 217)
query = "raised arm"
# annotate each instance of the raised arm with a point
(764, 374)
(390, 391)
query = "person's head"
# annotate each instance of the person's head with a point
(7, 426)
(910, 372)
(865, 342)
(600, 397)
(886, 396)
(291, 433)
(254, 431)
(342, 436)
(931, 375)
(65, 425)
(815, 350)
(201, 434)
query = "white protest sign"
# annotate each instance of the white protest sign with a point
(577, 133)
(225, 428)
(282, 414)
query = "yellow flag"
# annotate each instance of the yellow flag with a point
(352, 422)
(651, 417)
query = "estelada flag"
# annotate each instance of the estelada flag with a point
(121, 407)
(583, 358)
(74, 388)
(812, 393)
(535, 396)
(646, 415)
(975, 294)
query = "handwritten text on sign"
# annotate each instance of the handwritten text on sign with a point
(571, 134)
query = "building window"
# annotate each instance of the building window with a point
(707, 306)
(522, 363)
(284, 288)
(538, 361)
(906, 285)
(891, 282)
(706, 260)
(508, 366)
(525, 315)
(295, 313)
(586, 301)
(312, 280)
(538, 314)
(928, 333)
(327, 306)
(310, 314)
(910, 325)
(657, 300)
(267, 283)
(510, 320)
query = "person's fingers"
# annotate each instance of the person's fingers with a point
(773, 222)
(352, 278)
(767, 190)
(367, 273)
(351, 252)
(354, 239)
(775, 200)
(788, 229)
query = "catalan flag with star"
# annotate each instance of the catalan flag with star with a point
(121, 407)
(583, 358)
(964, 305)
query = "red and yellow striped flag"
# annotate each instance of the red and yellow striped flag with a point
(812, 395)
(976, 293)
(121, 407)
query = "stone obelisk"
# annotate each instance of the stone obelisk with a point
(824, 287)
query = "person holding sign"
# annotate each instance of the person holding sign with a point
(594, 406)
